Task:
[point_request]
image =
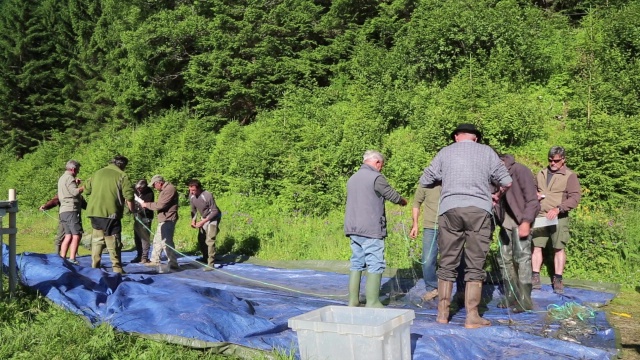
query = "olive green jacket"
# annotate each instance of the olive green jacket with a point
(108, 189)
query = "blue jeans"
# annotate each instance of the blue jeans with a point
(429, 261)
(367, 254)
(429, 257)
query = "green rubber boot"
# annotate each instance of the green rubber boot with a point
(354, 288)
(372, 290)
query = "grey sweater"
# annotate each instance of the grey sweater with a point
(367, 190)
(468, 172)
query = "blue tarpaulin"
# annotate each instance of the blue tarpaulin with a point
(244, 307)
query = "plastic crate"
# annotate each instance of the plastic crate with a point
(341, 332)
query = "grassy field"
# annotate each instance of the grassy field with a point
(42, 330)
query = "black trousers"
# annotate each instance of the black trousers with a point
(468, 229)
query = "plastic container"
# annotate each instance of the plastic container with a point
(341, 332)
(163, 268)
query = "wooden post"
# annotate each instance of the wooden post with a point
(13, 276)
(10, 207)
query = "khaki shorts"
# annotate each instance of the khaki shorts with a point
(558, 234)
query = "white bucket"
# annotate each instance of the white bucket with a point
(163, 268)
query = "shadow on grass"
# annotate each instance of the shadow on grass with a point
(632, 347)
(238, 250)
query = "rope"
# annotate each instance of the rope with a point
(570, 310)
(242, 277)
(49, 215)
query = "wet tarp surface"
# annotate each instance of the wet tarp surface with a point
(244, 307)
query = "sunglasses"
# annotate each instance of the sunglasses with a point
(555, 160)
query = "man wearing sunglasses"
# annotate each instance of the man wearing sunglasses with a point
(558, 192)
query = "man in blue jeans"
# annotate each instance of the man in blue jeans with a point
(365, 224)
(430, 198)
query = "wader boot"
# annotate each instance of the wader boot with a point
(97, 245)
(210, 242)
(372, 290)
(444, 300)
(354, 287)
(114, 246)
(522, 257)
(473, 295)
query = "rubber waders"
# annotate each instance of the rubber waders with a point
(372, 290)
(473, 294)
(97, 245)
(444, 300)
(354, 288)
(114, 254)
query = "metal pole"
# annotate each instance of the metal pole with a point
(13, 276)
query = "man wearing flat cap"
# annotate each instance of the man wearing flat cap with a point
(167, 208)
(468, 171)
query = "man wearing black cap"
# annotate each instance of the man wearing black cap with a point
(142, 224)
(109, 189)
(467, 170)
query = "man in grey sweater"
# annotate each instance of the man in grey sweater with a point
(467, 170)
(365, 224)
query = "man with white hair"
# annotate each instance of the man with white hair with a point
(366, 224)
(467, 169)
(70, 197)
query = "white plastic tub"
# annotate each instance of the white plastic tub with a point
(341, 332)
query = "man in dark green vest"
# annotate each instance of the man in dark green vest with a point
(109, 189)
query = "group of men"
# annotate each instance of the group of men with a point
(110, 192)
(466, 186)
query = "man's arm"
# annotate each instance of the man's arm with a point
(382, 187)
(164, 199)
(418, 198)
(130, 205)
(53, 202)
(415, 214)
(430, 176)
(573, 195)
(527, 183)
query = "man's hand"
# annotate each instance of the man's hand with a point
(403, 202)
(553, 213)
(414, 232)
(193, 223)
(541, 196)
(524, 230)
(495, 198)
(41, 208)
(144, 205)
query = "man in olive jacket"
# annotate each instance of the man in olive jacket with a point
(559, 193)
(167, 208)
(515, 212)
(109, 189)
